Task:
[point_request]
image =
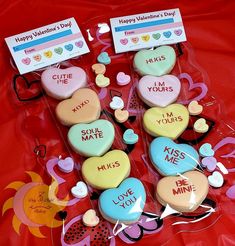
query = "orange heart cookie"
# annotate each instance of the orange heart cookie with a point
(183, 193)
(83, 107)
(121, 115)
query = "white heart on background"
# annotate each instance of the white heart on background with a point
(116, 103)
(80, 190)
(216, 179)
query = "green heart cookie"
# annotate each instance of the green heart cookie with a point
(92, 139)
(156, 62)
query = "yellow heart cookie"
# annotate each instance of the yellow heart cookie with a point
(102, 81)
(169, 122)
(200, 126)
(108, 171)
(83, 107)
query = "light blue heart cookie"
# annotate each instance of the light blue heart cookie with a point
(125, 203)
(104, 58)
(170, 158)
(206, 150)
(129, 137)
(156, 62)
(92, 139)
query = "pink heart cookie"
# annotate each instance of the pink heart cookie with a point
(123, 79)
(62, 83)
(66, 165)
(159, 91)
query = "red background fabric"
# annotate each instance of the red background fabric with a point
(209, 28)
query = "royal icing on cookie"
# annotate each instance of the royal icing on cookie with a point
(170, 121)
(183, 193)
(156, 62)
(159, 91)
(83, 107)
(62, 83)
(92, 139)
(170, 158)
(107, 171)
(123, 204)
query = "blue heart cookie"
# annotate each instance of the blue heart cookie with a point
(170, 158)
(129, 137)
(104, 58)
(125, 203)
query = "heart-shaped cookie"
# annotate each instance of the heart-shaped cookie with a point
(201, 126)
(62, 83)
(183, 193)
(92, 139)
(121, 115)
(206, 150)
(98, 68)
(130, 137)
(170, 158)
(107, 171)
(102, 81)
(194, 108)
(80, 190)
(123, 204)
(170, 121)
(159, 91)
(104, 58)
(90, 218)
(216, 179)
(156, 62)
(66, 165)
(83, 107)
(123, 79)
(116, 103)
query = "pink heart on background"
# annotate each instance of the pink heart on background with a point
(124, 41)
(79, 44)
(193, 86)
(178, 32)
(26, 61)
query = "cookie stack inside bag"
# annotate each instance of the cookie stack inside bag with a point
(91, 137)
(183, 187)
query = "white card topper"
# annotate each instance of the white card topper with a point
(147, 30)
(47, 45)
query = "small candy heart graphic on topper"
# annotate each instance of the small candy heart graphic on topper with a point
(79, 44)
(37, 58)
(48, 54)
(68, 47)
(58, 50)
(26, 61)
(124, 41)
